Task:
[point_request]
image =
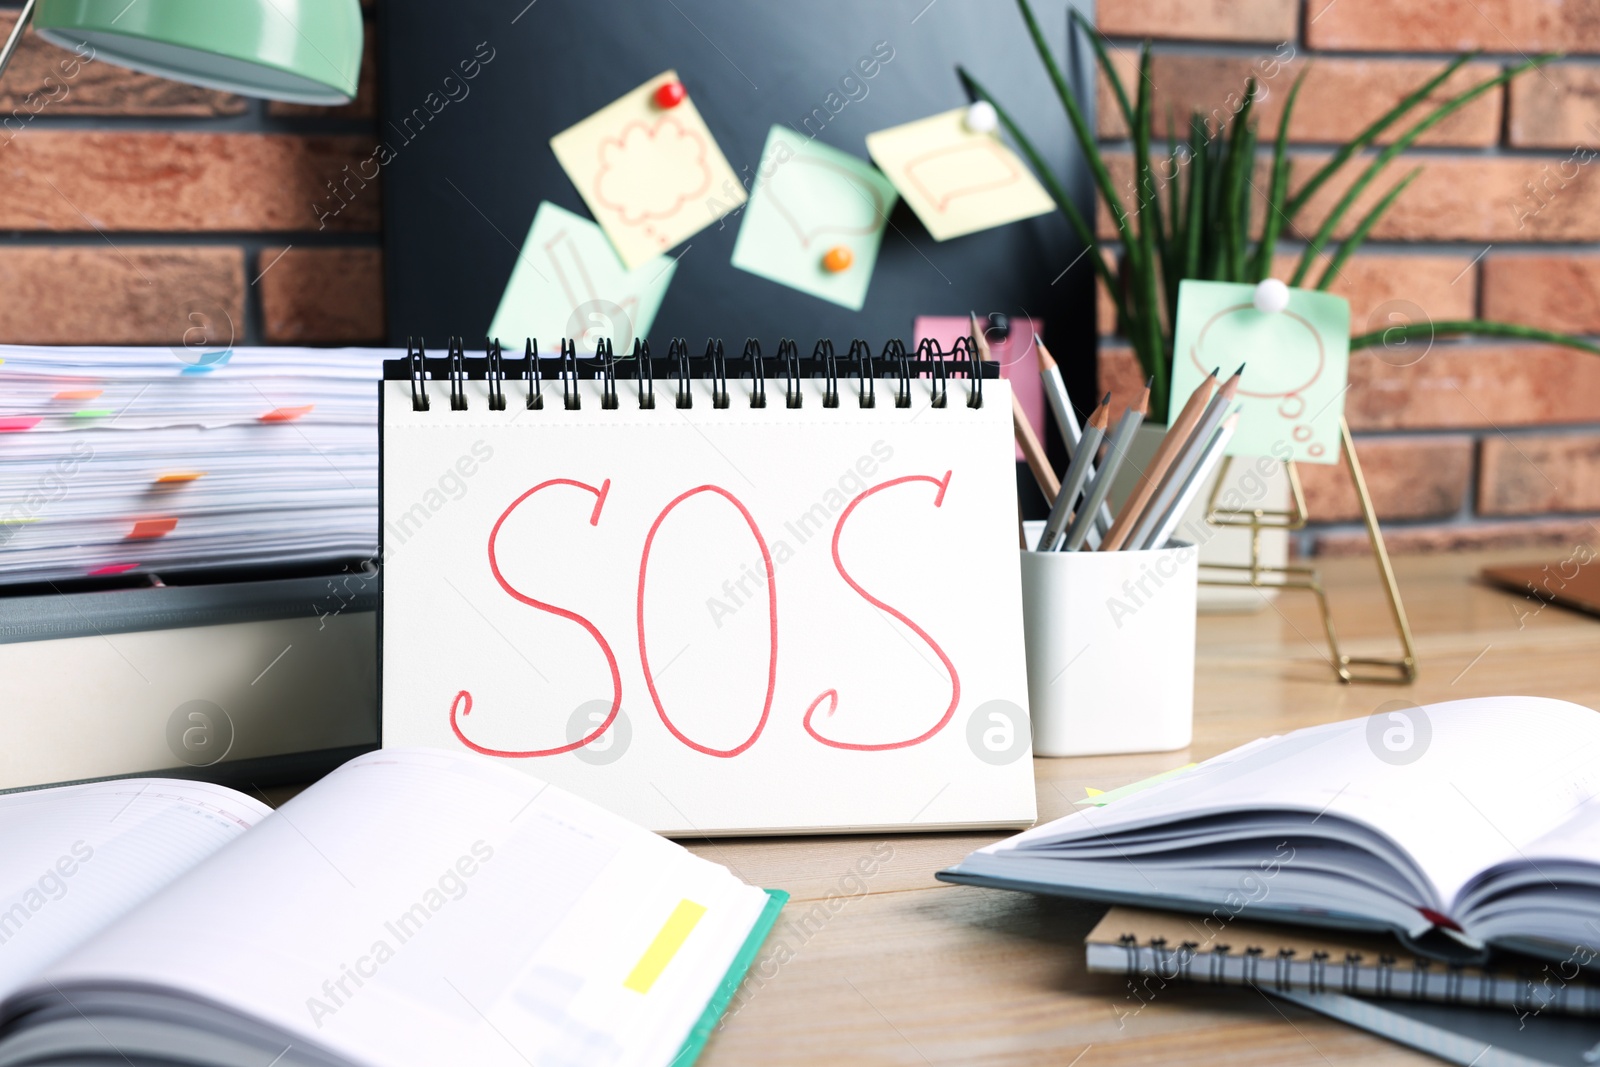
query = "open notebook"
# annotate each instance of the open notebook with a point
(1458, 826)
(413, 907)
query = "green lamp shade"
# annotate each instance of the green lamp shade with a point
(303, 51)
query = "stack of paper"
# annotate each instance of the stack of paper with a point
(127, 460)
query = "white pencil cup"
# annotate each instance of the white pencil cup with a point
(1110, 640)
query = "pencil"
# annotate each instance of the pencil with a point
(1033, 451)
(1055, 390)
(1185, 462)
(1077, 473)
(1176, 436)
(978, 339)
(1095, 495)
(1208, 463)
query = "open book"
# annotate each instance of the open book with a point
(412, 908)
(1458, 826)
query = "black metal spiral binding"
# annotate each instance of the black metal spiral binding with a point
(830, 370)
(570, 397)
(678, 353)
(789, 354)
(894, 352)
(608, 373)
(758, 373)
(928, 351)
(535, 378)
(646, 374)
(495, 374)
(974, 370)
(718, 372)
(866, 385)
(458, 375)
(417, 371)
(823, 364)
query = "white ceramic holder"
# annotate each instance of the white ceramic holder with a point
(1110, 642)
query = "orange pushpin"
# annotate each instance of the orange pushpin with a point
(838, 258)
(670, 95)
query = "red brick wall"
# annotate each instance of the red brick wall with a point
(135, 207)
(1476, 442)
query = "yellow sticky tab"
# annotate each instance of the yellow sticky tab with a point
(674, 932)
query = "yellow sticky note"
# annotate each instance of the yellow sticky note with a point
(673, 933)
(652, 176)
(957, 180)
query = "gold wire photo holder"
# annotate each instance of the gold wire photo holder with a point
(1259, 575)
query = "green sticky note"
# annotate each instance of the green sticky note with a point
(92, 413)
(809, 201)
(569, 282)
(1297, 365)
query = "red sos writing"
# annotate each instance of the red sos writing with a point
(461, 705)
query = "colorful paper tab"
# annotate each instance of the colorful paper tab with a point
(180, 477)
(287, 414)
(1297, 365)
(78, 394)
(809, 201)
(113, 568)
(19, 423)
(673, 933)
(92, 413)
(652, 176)
(1100, 798)
(150, 529)
(958, 180)
(569, 282)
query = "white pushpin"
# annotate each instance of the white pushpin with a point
(981, 117)
(1272, 296)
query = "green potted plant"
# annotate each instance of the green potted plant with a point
(1188, 212)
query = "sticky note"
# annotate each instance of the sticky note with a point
(113, 568)
(653, 177)
(810, 199)
(149, 529)
(92, 413)
(180, 477)
(673, 933)
(1297, 365)
(287, 414)
(1019, 362)
(19, 423)
(79, 394)
(956, 179)
(569, 282)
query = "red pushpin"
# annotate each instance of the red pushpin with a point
(670, 95)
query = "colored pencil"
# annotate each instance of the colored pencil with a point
(1095, 494)
(1033, 451)
(1055, 391)
(1176, 436)
(1185, 462)
(1077, 474)
(1196, 480)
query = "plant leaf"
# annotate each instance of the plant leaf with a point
(1400, 144)
(1481, 327)
(1273, 224)
(1374, 131)
(1118, 90)
(1075, 218)
(1348, 247)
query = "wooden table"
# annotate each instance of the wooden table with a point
(893, 967)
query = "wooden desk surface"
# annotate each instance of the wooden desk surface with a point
(896, 968)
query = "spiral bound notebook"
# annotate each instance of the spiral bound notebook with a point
(1154, 948)
(716, 594)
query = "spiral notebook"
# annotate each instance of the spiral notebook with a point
(716, 594)
(1154, 948)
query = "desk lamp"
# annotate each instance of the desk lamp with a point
(302, 51)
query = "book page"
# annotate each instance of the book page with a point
(419, 907)
(74, 858)
(1458, 786)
